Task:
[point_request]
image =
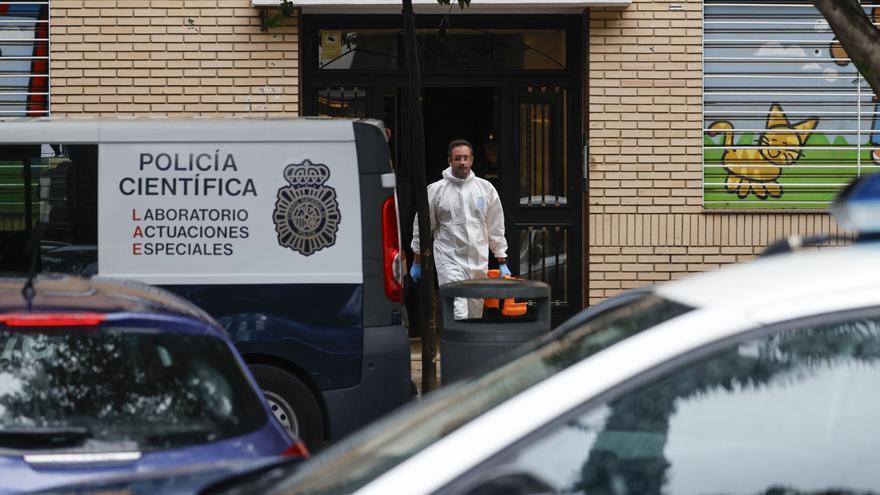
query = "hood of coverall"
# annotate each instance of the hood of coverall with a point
(448, 175)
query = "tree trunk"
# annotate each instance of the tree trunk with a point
(420, 192)
(856, 34)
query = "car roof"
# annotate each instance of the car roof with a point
(54, 292)
(175, 130)
(779, 279)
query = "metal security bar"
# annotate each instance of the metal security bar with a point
(544, 256)
(24, 59)
(787, 119)
(348, 102)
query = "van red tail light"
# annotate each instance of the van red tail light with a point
(391, 261)
(52, 319)
(296, 449)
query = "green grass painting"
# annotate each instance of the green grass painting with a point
(811, 182)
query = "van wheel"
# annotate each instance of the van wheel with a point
(292, 403)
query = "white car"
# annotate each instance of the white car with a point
(757, 378)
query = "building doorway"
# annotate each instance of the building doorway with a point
(511, 85)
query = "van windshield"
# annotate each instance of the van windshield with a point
(111, 389)
(354, 462)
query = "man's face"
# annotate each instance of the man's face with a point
(461, 161)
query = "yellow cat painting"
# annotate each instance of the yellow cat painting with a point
(756, 170)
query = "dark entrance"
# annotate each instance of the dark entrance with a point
(509, 84)
(467, 113)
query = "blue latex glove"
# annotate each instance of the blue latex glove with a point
(415, 272)
(505, 272)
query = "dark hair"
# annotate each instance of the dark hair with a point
(456, 143)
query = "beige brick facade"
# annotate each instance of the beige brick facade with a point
(171, 57)
(644, 221)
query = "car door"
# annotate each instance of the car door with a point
(787, 409)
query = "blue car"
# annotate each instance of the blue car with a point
(103, 378)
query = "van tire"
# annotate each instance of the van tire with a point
(292, 402)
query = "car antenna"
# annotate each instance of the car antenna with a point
(28, 291)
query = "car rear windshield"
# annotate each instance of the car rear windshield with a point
(353, 463)
(120, 388)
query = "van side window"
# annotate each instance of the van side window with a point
(54, 186)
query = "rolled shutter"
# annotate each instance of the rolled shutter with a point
(787, 119)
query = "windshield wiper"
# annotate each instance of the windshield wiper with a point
(44, 438)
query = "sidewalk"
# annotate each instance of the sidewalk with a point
(415, 362)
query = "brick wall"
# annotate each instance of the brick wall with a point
(170, 57)
(645, 222)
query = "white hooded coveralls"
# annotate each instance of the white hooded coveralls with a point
(466, 221)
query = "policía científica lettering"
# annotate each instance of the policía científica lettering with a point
(189, 174)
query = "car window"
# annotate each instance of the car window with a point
(364, 456)
(791, 412)
(127, 388)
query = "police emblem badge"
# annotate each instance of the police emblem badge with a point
(306, 213)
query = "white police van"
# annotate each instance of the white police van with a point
(285, 231)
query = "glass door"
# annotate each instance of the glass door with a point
(546, 215)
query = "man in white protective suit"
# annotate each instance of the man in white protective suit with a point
(466, 221)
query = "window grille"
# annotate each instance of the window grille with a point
(348, 102)
(787, 119)
(24, 59)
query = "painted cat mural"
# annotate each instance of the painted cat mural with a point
(756, 170)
